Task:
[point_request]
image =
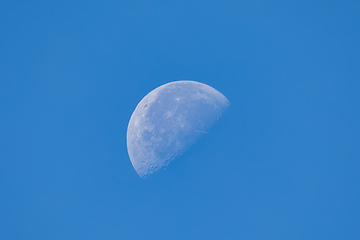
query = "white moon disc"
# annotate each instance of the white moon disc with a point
(170, 119)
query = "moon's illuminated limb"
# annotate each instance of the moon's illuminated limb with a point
(170, 119)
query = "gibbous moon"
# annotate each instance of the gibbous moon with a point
(170, 119)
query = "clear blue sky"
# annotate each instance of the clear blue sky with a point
(282, 163)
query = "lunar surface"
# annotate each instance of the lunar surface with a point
(169, 120)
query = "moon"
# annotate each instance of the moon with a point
(170, 119)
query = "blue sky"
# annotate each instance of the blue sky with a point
(282, 163)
